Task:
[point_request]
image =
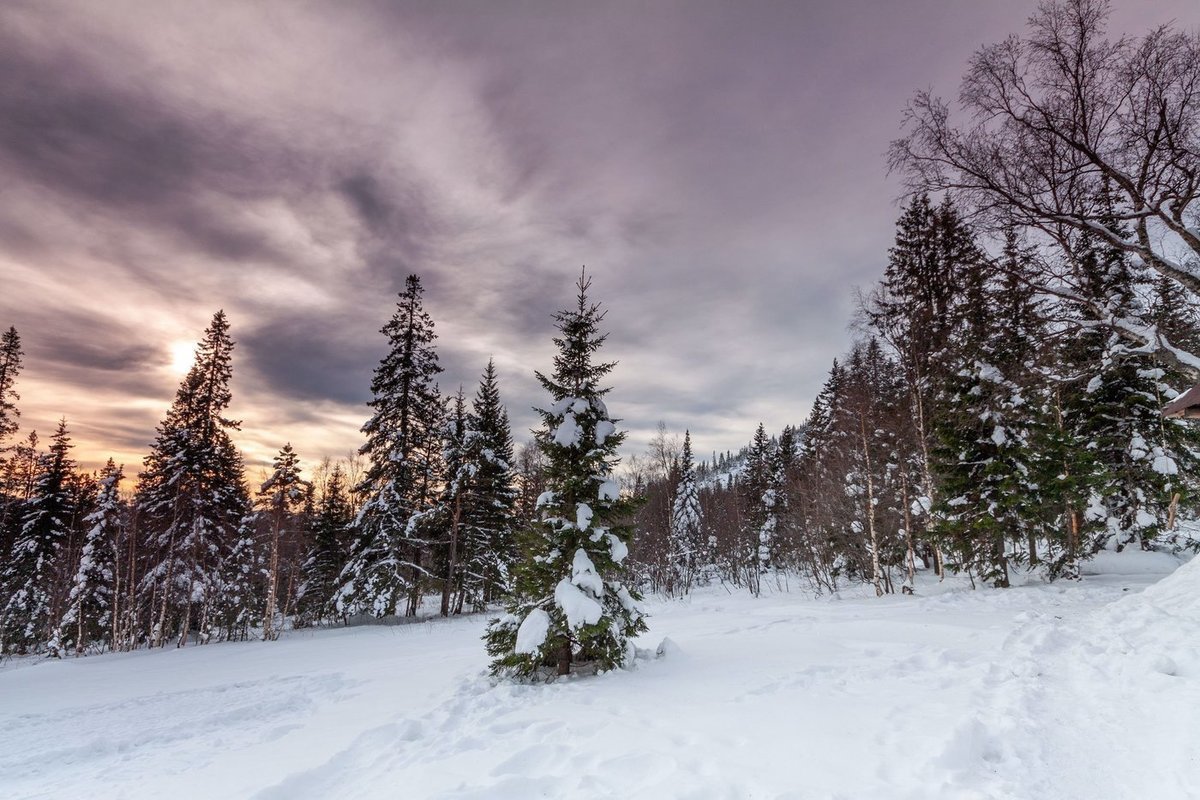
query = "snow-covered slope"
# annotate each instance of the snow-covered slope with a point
(1036, 692)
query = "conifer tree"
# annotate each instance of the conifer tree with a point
(687, 544)
(824, 504)
(91, 613)
(235, 602)
(283, 494)
(984, 446)
(1141, 461)
(10, 365)
(459, 460)
(32, 601)
(331, 532)
(572, 604)
(192, 496)
(386, 567)
(10, 368)
(490, 519)
(759, 494)
(911, 311)
(862, 421)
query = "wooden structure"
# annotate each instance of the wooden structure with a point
(1186, 406)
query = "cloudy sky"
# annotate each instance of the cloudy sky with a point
(718, 166)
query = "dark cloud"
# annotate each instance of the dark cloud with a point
(302, 361)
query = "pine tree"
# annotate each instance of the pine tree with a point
(759, 499)
(236, 598)
(824, 504)
(10, 365)
(283, 493)
(985, 443)
(687, 540)
(91, 613)
(572, 604)
(403, 446)
(192, 495)
(331, 533)
(459, 462)
(490, 521)
(32, 601)
(10, 368)
(911, 311)
(1141, 461)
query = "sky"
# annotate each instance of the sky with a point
(719, 167)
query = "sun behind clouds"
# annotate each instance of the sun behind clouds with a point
(182, 354)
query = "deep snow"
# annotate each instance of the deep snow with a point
(1041, 691)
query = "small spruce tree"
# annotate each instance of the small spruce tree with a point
(572, 606)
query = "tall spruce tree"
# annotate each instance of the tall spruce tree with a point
(687, 542)
(32, 589)
(759, 502)
(192, 495)
(387, 566)
(459, 463)
(489, 535)
(911, 311)
(91, 614)
(572, 605)
(10, 368)
(1141, 461)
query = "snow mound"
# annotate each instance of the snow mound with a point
(1072, 704)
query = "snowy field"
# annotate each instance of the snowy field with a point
(1042, 691)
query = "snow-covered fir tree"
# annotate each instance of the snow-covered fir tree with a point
(92, 614)
(32, 600)
(192, 496)
(688, 542)
(572, 604)
(459, 463)
(387, 566)
(990, 463)
(330, 536)
(10, 496)
(236, 599)
(782, 476)
(1141, 461)
(489, 520)
(759, 498)
(282, 495)
(10, 368)
(911, 310)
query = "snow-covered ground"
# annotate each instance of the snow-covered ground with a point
(1043, 691)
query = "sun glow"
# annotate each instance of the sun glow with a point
(182, 355)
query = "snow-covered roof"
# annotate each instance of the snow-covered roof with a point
(1186, 406)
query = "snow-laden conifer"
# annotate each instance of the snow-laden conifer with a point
(91, 614)
(387, 569)
(32, 603)
(490, 520)
(573, 605)
(192, 495)
(330, 535)
(687, 544)
(10, 367)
